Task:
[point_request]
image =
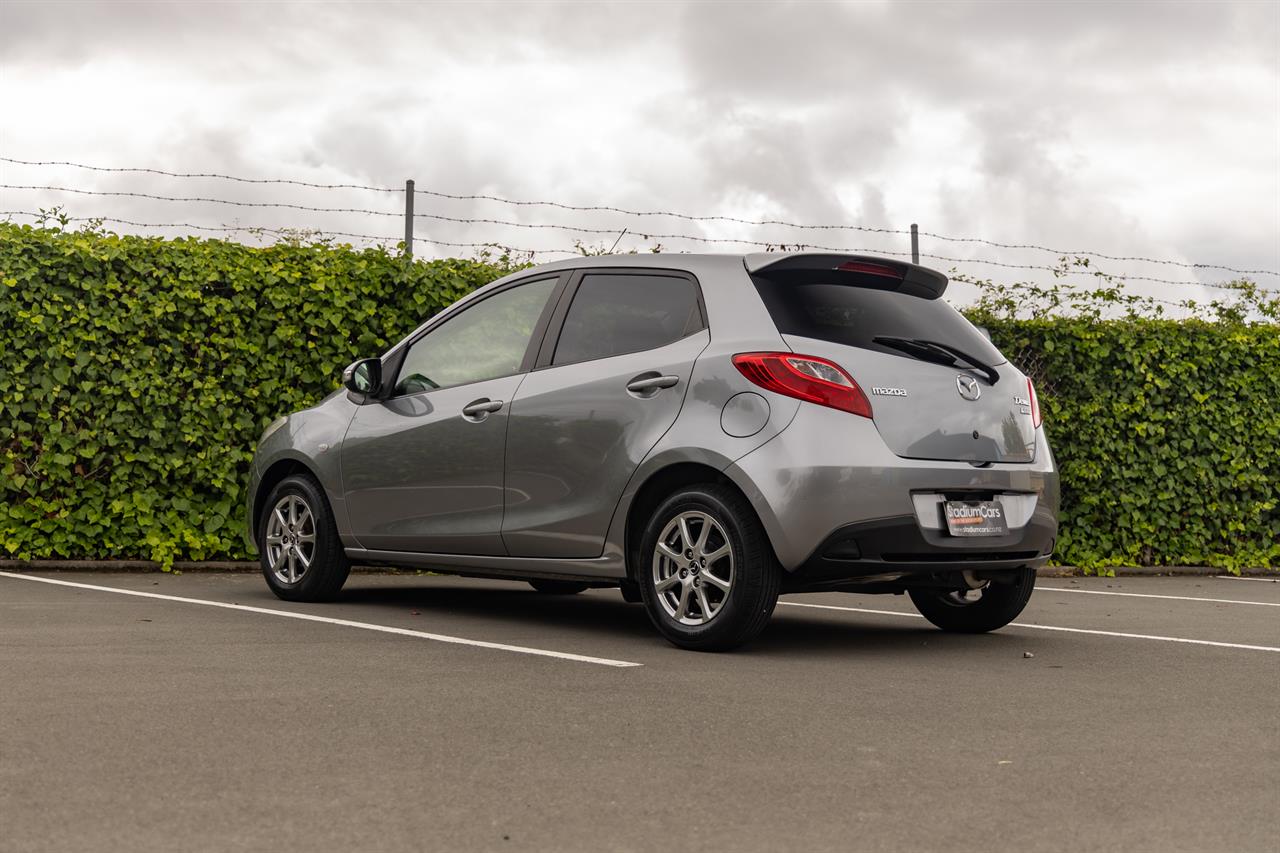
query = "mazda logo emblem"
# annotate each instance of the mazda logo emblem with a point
(968, 387)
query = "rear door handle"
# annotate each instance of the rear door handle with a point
(645, 384)
(478, 410)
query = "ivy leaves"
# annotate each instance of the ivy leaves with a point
(137, 373)
(1166, 434)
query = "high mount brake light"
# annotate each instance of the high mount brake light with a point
(804, 377)
(1035, 404)
(882, 270)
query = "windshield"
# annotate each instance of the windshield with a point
(808, 304)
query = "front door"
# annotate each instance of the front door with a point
(422, 470)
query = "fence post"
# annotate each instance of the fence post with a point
(915, 243)
(408, 218)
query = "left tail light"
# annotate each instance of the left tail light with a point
(805, 377)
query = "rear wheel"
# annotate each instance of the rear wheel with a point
(558, 587)
(302, 557)
(976, 611)
(707, 576)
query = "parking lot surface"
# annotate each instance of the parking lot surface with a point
(432, 713)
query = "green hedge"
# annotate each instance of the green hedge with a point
(137, 373)
(1166, 433)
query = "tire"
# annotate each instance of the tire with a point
(746, 565)
(300, 497)
(997, 605)
(558, 587)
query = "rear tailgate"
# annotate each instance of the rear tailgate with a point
(921, 413)
(836, 306)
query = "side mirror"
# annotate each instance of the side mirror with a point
(984, 331)
(363, 377)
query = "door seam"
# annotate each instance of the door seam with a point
(506, 435)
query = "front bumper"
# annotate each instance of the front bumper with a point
(251, 492)
(830, 473)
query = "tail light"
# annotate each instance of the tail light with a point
(805, 377)
(1035, 404)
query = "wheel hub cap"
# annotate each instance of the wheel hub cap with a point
(693, 568)
(291, 539)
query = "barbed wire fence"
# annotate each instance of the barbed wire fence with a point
(645, 226)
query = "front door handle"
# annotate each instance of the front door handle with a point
(478, 410)
(646, 384)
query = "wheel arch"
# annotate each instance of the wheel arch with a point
(276, 472)
(657, 487)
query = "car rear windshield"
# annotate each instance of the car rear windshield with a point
(812, 305)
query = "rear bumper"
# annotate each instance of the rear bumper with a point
(888, 549)
(830, 474)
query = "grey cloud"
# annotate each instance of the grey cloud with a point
(810, 107)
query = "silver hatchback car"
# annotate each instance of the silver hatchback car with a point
(703, 431)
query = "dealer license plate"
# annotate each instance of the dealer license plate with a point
(975, 518)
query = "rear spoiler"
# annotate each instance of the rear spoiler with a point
(882, 273)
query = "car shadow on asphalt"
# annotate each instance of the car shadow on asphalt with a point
(820, 634)
(594, 613)
(607, 615)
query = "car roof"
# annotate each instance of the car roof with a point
(720, 274)
(919, 280)
(751, 261)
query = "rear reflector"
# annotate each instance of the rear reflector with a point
(865, 268)
(804, 377)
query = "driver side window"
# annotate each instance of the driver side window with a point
(485, 341)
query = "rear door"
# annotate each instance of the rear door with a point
(859, 316)
(611, 379)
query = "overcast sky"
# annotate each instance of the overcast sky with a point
(1126, 129)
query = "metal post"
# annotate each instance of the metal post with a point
(408, 219)
(915, 243)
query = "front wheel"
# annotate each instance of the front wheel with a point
(707, 575)
(302, 556)
(976, 611)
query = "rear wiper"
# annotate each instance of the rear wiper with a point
(940, 351)
(921, 351)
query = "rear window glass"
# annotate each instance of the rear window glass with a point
(616, 314)
(815, 307)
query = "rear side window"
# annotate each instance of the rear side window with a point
(813, 306)
(617, 314)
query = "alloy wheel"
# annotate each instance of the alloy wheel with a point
(290, 539)
(693, 568)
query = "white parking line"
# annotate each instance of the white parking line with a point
(307, 617)
(1152, 595)
(1053, 628)
(1238, 578)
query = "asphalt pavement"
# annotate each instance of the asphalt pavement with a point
(432, 713)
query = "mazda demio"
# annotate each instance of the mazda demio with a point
(705, 432)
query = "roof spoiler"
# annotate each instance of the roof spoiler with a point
(911, 279)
